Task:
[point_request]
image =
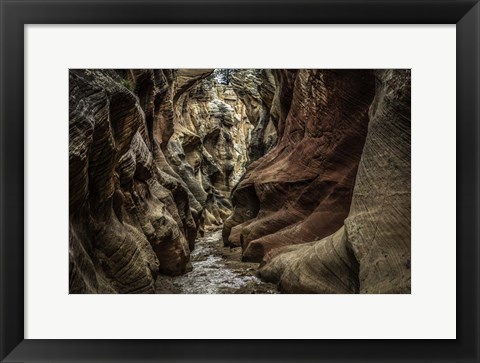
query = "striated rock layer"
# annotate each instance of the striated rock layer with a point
(370, 252)
(152, 159)
(208, 147)
(256, 89)
(301, 190)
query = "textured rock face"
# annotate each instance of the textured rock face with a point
(256, 89)
(370, 253)
(301, 190)
(209, 145)
(144, 172)
(314, 163)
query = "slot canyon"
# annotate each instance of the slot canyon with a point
(244, 181)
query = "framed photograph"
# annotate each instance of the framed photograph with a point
(239, 181)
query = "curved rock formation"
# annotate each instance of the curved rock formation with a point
(256, 89)
(314, 163)
(209, 145)
(152, 160)
(370, 253)
(301, 190)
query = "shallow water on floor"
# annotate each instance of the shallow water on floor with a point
(216, 270)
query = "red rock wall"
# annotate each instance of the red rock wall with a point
(301, 190)
(371, 251)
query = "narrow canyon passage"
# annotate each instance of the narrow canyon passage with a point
(216, 270)
(239, 181)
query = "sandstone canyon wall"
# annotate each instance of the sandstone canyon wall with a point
(256, 89)
(308, 172)
(153, 157)
(370, 252)
(301, 190)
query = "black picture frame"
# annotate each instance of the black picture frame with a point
(15, 14)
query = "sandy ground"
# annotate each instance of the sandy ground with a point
(216, 270)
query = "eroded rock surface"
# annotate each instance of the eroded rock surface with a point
(209, 145)
(153, 157)
(314, 163)
(371, 252)
(301, 190)
(256, 89)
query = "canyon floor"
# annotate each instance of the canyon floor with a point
(216, 270)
